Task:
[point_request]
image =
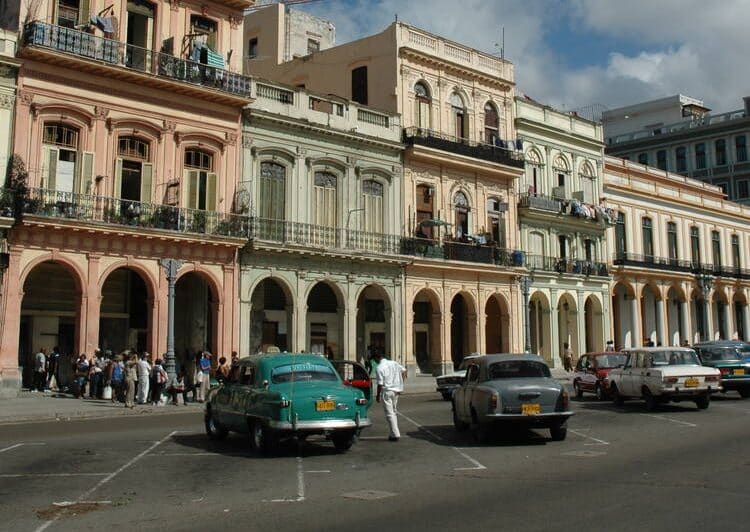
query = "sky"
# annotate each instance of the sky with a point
(578, 53)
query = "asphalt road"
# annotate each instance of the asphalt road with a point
(620, 469)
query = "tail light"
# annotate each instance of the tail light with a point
(492, 402)
(712, 378)
(285, 403)
(724, 371)
(563, 401)
(361, 401)
(670, 380)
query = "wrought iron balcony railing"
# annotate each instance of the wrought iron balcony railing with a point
(116, 53)
(461, 146)
(677, 265)
(566, 266)
(461, 251)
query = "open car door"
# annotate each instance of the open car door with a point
(354, 374)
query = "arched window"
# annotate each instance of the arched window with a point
(491, 123)
(422, 106)
(199, 180)
(372, 200)
(496, 221)
(459, 115)
(272, 191)
(647, 231)
(561, 170)
(325, 199)
(133, 171)
(461, 209)
(588, 182)
(425, 202)
(65, 168)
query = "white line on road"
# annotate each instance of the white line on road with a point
(300, 485)
(14, 446)
(45, 475)
(321, 471)
(665, 418)
(476, 464)
(596, 440)
(109, 477)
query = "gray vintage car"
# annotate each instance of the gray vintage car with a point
(510, 389)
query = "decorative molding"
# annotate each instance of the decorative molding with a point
(232, 139)
(25, 97)
(235, 22)
(101, 112)
(7, 101)
(175, 5)
(170, 126)
(247, 141)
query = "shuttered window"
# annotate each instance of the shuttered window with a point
(372, 200)
(199, 181)
(325, 199)
(271, 203)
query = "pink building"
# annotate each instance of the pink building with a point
(128, 119)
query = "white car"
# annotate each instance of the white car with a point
(447, 383)
(663, 374)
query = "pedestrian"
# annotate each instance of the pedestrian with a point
(131, 380)
(82, 375)
(567, 357)
(177, 385)
(144, 376)
(159, 375)
(117, 379)
(234, 373)
(391, 377)
(204, 376)
(151, 377)
(610, 346)
(53, 369)
(222, 371)
(40, 371)
(189, 374)
(95, 376)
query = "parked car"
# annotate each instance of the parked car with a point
(354, 374)
(732, 359)
(274, 396)
(447, 383)
(591, 373)
(510, 389)
(662, 374)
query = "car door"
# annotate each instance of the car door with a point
(588, 374)
(241, 392)
(626, 380)
(580, 372)
(472, 380)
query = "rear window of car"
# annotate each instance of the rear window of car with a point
(674, 358)
(518, 369)
(610, 361)
(303, 372)
(722, 353)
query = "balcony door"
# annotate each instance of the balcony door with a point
(133, 170)
(140, 34)
(425, 210)
(324, 205)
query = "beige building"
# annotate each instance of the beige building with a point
(680, 253)
(460, 169)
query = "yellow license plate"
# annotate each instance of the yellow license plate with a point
(531, 409)
(691, 383)
(324, 406)
(738, 372)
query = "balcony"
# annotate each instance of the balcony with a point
(571, 208)
(462, 251)
(414, 136)
(540, 203)
(677, 265)
(136, 64)
(136, 215)
(566, 266)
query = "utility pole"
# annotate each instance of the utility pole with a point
(171, 267)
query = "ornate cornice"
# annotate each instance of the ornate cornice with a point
(7, 101)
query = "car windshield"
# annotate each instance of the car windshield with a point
(674, 358)
(465, 364)
(303, 372)
(518, 369)
(723, 353)
(610, 361)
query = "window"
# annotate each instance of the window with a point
(460, 120)
(326, 185)
(720, 146)
(491, 123)
(140, 34)
(372, 200)
(61, 135)
(65, 168)
(313, 46)
(199, 180)
(560, 179)
(648, 238)
(204, 31)
(672, 241)
(681, 159)
(461, 210)
(562, 242)
(736, 256)
(621, 247)
(272, 191)
(496, 222)
(588, 249)
(252, 48)
(700, 156)
(534, 180)
(588, 182)
(716, 247)
(422, 106)
(71, 13)
(359, 85)
(695, 245)
(740, 146)
(133, 148)
(661, 159)
(133, 170)
(643, 158)
(742, 189)
(424, 201)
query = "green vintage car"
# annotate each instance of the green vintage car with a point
(284, 395)
(732, 359)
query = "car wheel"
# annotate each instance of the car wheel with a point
(447, 396)
(651, 402)
(558, 433)
(343, 440)
(616, 397)
(460, 426)
(479, 430)
(214, 429)
(744, 392)
(599, 392)
(702, 402)
(260, 437)
(577, 389)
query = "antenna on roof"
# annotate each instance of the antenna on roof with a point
(396, 16)
(502, 43)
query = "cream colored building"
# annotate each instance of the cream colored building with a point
(563, 230)
(680, 257)
(460, 172)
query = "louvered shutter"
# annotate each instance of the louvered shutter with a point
(147, 172)
(211, 184)
(49, 167)
(85, 173)
(190, 183)
(84, 12)
(117, 187)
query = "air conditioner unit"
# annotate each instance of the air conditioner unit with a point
(558, 192)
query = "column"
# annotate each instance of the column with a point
(661, 322)
(554, 339)
(92, 301)
(708, 314)
(10, 376)
(685, 323)
(581, 324)
(746, 321)
(635, 320)
(729, 321)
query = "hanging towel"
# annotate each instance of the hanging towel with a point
(103, 23)
(213, 59)
(195, 55)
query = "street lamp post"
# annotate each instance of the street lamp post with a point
(525, 283)
(171, 266)
(705, 281)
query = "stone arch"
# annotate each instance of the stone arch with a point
(151, 283)
(213, 283)
(325, 319)
(463, 326)
(374, 320)
(561, 162)
(624, 317)
(78, 275)
(427, 340)
(497, 324)
(567, 323)
(594, 324)
(271, 318)
(540, 326)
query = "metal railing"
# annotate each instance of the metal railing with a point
(461, 251)
(540, 202)
(461, 146)
(677, 265)
(566, 266)
(88, 46)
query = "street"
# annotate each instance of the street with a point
(619, 469)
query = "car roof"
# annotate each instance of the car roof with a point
(656, 349)
(283, 358)
(599, 353)
(723, 343)
(505, 357)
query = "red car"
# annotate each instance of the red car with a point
(592, 370)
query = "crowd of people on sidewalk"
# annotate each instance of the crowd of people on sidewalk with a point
(130, 377)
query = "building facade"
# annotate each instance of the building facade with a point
(322, 182)
(680, 135)
(128, 118)
(680, 253)
(562, 230)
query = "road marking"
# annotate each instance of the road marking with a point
(321, 471)
(45, 475)
(596, 440)
(476, 464)
(71, 503)
(14, 446)
(665, 418)
(109, 477)
(300, 485)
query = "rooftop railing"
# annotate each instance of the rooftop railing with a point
(461, 146)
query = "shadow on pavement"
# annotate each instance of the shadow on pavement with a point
(446, 435)
(239, 445)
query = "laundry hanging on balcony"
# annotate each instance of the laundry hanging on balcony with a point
(201, 53)
(106, 24)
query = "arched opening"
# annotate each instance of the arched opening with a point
(720, 316)
(374, 333)
(463, 329)
(422, 105)
(50, 316)
(650, 315)
(325, 321)
(497, 325)
(125, 312)
(460, 120)
(491, 123)
(461, 210)
(539, 323)
(195, 317)
(624, 316)
(426, 342)
(739, 303)
(676, 310)
(270, 317)
(133, 170)
(567, 324)
(594, 325)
